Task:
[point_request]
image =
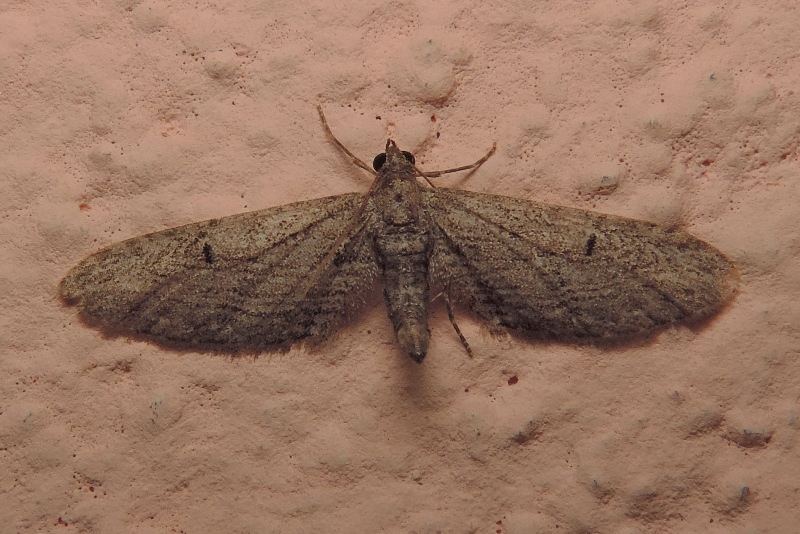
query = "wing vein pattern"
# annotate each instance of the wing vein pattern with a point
(212, 286)
(556, 272)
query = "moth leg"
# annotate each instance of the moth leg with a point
(434, 174)
(357, 162)
(452, 317)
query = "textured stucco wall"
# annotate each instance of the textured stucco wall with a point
(120, 118)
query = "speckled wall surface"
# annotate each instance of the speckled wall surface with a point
(121, 118)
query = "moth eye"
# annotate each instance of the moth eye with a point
(379, 160)
(409, 156)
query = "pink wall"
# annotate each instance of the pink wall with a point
(122, 118)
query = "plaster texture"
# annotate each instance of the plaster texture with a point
(125, 117)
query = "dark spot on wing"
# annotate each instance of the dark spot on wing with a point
(590, 245)
(208, 254)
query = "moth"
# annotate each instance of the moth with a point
(269, 279)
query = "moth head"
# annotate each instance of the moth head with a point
(393, 156)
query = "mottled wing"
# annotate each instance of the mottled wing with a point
(562, 273)
(231, 284)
